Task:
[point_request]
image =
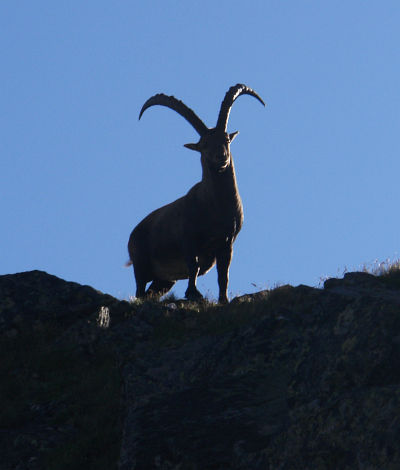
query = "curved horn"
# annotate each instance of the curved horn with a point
(179, 107)
(226, 105)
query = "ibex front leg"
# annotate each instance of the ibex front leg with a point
(223, 262)
(193, 266)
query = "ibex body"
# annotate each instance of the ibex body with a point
(187, 237)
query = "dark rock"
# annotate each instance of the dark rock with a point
(358, 279)
(292, 378)
(28, 297)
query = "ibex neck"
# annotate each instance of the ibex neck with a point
(222, 185)
(221, 200)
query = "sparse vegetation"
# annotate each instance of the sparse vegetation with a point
(382, 268)
(388, 268)
(190, 319)
(390, 273)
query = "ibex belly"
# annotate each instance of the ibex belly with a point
(175, 268)
(170, 270)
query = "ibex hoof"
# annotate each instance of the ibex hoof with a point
(193, 294)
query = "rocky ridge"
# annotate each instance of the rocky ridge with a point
(293, 378)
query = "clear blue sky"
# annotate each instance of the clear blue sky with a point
(318, 168)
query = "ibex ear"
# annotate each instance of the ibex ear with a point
(193, 147)
(233, 135)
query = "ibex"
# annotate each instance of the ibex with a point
(185, 238)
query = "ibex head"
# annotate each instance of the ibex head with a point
(214, 143)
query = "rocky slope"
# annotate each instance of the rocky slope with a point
(294, 378)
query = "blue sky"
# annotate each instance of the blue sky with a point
(318, 168)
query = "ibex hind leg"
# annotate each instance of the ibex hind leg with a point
(141, 282)
(159, 288)
(191, 292)
(140, 288)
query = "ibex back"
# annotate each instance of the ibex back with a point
(185, 238)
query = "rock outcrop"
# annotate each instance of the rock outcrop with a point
(293, 378)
